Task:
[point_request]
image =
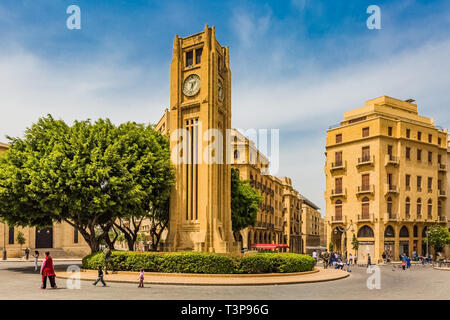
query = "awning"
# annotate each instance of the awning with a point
(269, 246)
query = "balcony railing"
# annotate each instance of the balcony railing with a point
(419, 216)
(365, 217)
(391, 160)
(339, 192)
(442, 167)
(390, 188)
(392, 216)
(366, 160)
(442, 219)
(442, 193)
(338, 165)
(337, 219)
(370, 188)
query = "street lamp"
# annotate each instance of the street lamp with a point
(4, 241)
(427, 233)
(344, 231)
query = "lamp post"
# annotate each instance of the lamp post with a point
(4, 241)
(428, 233)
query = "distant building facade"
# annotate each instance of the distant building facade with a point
(386, 179)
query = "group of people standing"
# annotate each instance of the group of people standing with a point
(338, 261)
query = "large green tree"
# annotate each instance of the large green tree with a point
(149, 161)
(245, 202)
(438, 237)
(88, 175)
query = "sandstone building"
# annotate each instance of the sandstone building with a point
(386, 177)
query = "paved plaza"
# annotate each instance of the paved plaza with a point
(19, 281)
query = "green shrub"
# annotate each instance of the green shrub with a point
(201, 262)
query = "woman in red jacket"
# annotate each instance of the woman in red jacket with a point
(47, 270)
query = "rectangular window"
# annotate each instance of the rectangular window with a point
(389, 179)
(338, 185)
(365, 154)
(408, 133)
(408, 153)
(439, 184)
(339, 138)
(439, 158)
(365, 132)
(419, 183)
(419, 135)
(408, 181)
(11, 235)
(430, 183)
(198, 55)
(338, 159)
(430, 157)
(419, 155)
(390, 131)
(439, 141)
(430, 138)
(189, 58)
(75, 235)
(390, 150)
(365, 181)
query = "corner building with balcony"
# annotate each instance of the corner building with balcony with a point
(386, 174)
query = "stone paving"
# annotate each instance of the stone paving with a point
(18, 280)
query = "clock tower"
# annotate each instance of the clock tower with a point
(200, 114)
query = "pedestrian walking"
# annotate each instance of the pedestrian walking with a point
(141, 279)
(100, 277)
(356, 259)
(48, 271)
(350, 259)
(27, 253)
(36, 257)
(368, 260)
(314, 255)
(325, 258)
(107, 261)
(384, 256)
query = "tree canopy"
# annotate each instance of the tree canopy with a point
(88, 175)
(438, 237)
(245, 202)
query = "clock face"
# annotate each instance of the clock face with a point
(220, 91)
(191, 85)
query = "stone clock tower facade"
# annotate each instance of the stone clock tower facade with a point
(200, 100)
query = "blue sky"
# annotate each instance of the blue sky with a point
(296, 65)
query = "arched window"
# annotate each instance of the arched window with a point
(424, 232)
(419, 207)
(236, 154)
(389, 232)
(365, 207)
(389, 205)
(407, 206)
(404, 233)
(430, 208)
(365, 232)
(338, 210)
(415, 231)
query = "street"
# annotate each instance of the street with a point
(19, 281)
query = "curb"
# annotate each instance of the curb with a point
(442, 268)
(249, 280)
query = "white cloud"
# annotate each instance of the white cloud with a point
(306, 106)
(31, 87)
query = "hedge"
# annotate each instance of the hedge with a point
(199, 262)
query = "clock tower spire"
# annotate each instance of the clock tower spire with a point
(200, 114)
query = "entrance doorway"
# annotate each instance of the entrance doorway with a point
(366, 248)
(44, 238)
(389, 250)
(404, 248)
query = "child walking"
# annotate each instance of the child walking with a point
(141, 279)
